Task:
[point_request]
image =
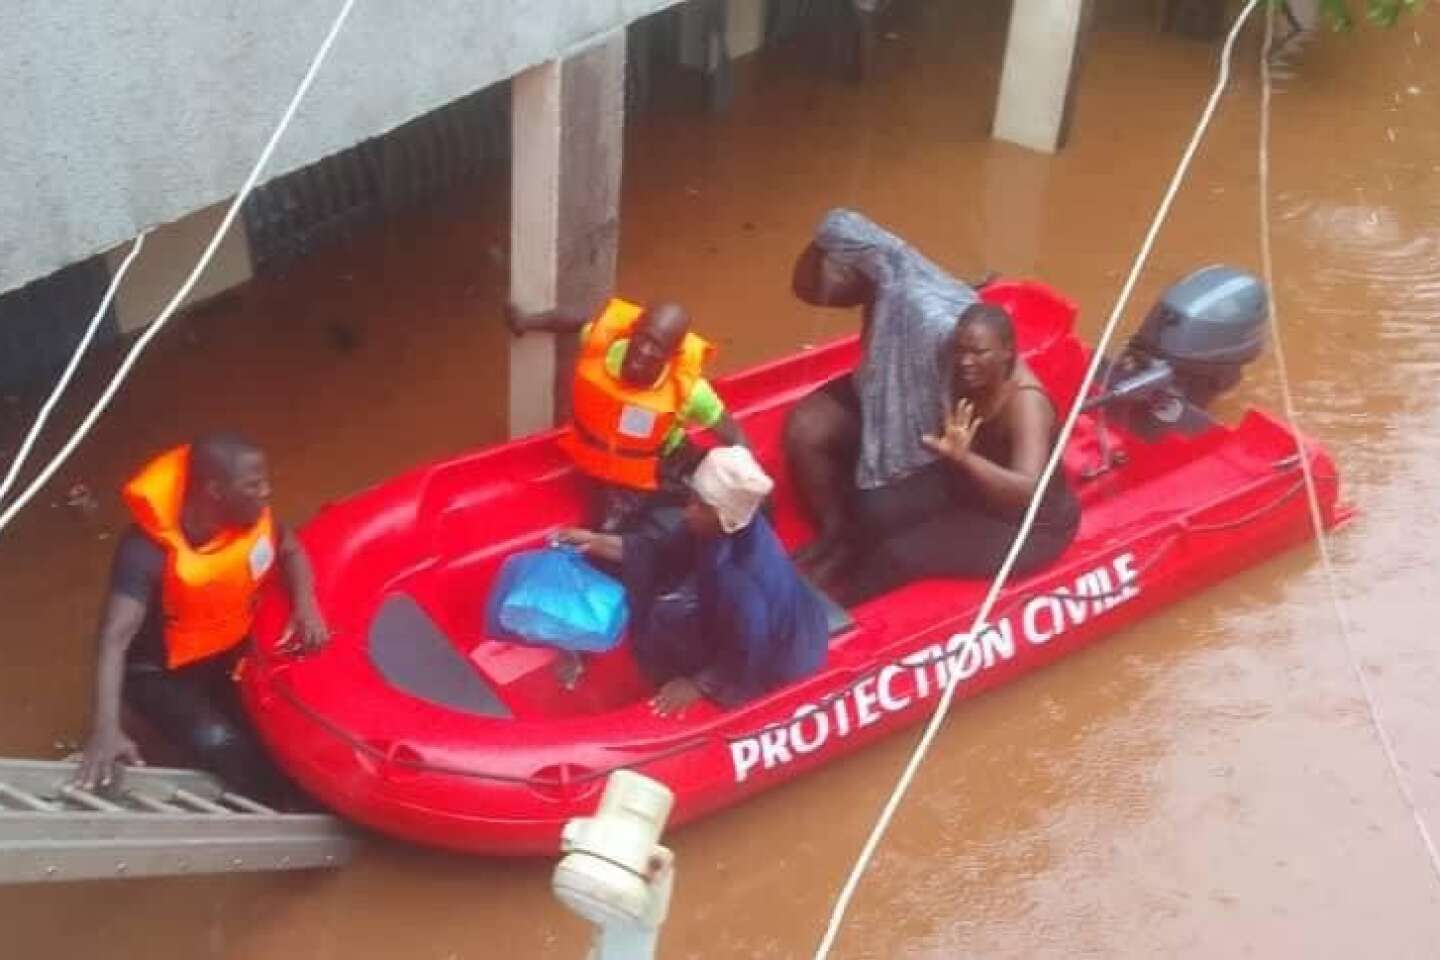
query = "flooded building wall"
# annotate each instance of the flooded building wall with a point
(379, 154)
(130, 115)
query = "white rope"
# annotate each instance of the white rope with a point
(63, 383)
(158, 324)
(932, 728)
(1312, 495)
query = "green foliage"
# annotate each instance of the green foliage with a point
(1383, 13)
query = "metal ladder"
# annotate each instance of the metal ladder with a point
(159, 822)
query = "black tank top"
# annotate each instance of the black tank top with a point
(1058, 507)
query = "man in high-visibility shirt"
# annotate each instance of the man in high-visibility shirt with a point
(182, 594)
(639, 383)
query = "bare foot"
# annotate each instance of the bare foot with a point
(569, 669)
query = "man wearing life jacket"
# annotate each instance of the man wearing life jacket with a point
(182, 592)
(639, 383)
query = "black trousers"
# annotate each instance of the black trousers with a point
(197, 708)
(922, 527)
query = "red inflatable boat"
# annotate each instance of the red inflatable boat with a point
(415, 723)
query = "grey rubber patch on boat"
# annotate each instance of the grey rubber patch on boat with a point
(412, 653)
(837, 618)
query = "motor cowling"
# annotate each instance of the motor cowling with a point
(1206, 328)
(1192, 347)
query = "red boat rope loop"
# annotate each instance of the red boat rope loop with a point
(264, 658)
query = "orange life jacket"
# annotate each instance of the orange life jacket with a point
(619, 430)
(207, 593)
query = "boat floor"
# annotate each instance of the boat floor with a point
(416, 657)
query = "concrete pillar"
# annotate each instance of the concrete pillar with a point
(567, 140)
(1297, 15)
(744, 23)
(1042, 64)
(169, 255)
(863, 38)
(704, 45)
(746, 27)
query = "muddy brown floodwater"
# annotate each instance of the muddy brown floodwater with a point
(1207, 784)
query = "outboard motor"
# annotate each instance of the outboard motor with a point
(1192, 347)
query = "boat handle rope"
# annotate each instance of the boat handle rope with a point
(1182, 528)
(385, 756)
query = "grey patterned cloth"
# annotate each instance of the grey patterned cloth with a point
(901, 382)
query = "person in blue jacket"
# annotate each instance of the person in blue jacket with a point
(718, 610)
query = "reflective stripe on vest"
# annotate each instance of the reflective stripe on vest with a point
(619, 429)
(207, 592)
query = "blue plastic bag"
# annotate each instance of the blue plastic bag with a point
(553, 597)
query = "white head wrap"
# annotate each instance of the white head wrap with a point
(730, 480)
